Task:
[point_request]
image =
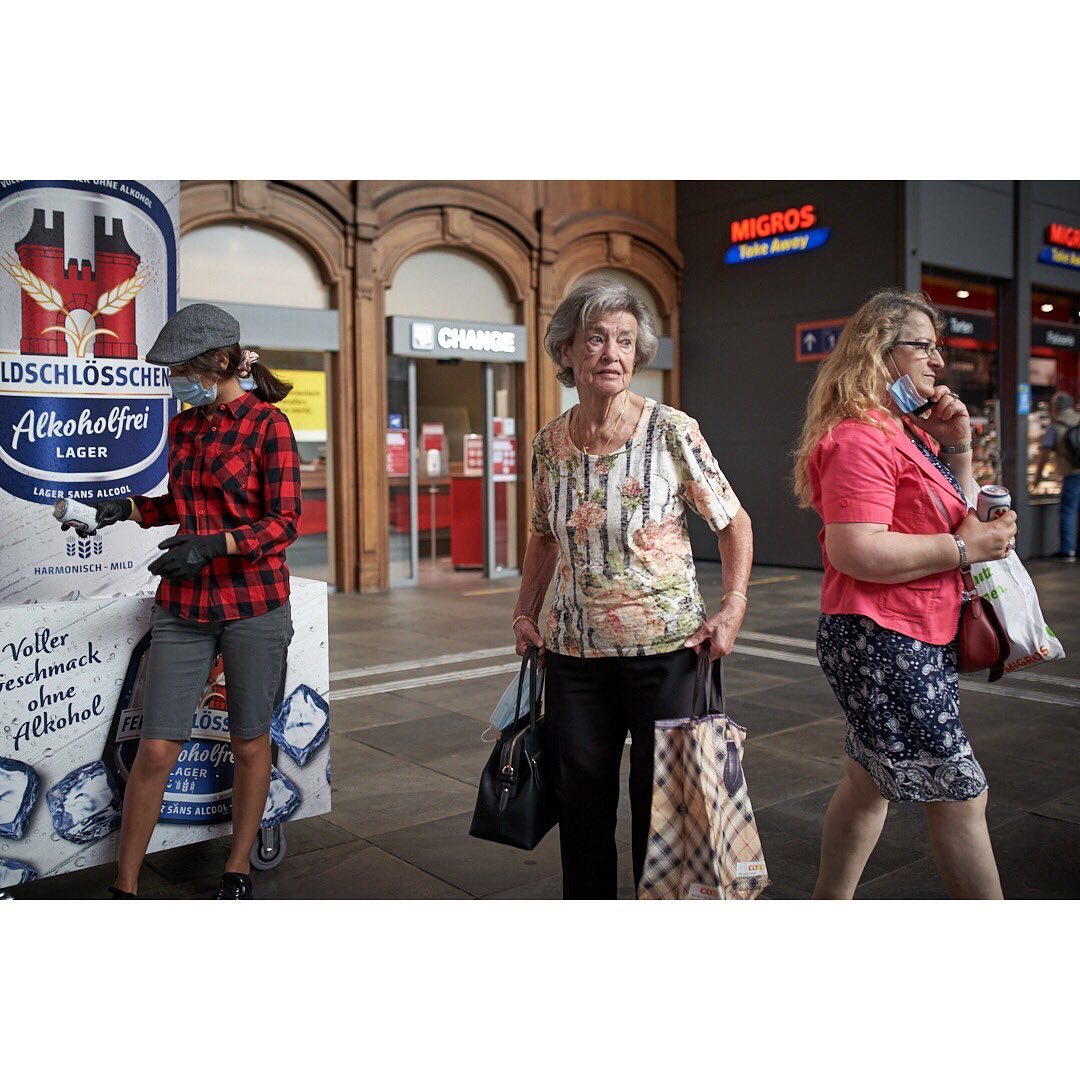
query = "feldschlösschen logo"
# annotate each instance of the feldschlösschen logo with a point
(85, 277)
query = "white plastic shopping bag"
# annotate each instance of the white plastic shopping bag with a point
(1006, 585)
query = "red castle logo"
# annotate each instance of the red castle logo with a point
(77, 301)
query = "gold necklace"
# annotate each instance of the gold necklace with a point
(585, 446)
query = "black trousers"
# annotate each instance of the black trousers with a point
(591, 705)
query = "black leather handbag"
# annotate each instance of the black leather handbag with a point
(516, 803)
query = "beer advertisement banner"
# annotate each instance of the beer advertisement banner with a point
(71, 680)
(87, 279)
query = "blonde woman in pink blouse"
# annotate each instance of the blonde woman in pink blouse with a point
(612, 479)
(891, 480)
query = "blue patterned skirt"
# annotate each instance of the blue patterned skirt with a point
(902, 701)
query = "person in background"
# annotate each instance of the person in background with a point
(234, 490)
(612, 480)
(885, 461)
(1063, 417)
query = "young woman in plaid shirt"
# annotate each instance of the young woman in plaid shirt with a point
(234, 490)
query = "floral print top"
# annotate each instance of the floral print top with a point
(625, 583)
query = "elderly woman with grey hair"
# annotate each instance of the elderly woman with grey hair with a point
(612, 478)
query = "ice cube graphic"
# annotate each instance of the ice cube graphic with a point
(18, 792)
(13, 872)
(282, 799)
(301, 723)
(85, 805)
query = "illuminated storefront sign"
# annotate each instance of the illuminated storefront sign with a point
(969, 329)
(1062, 247)
(456, 339)
(1055, 336)
(779, 232)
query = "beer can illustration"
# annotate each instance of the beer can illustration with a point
(199, 789)
(993, 501)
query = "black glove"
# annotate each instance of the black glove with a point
(109, 512)
(186, 555)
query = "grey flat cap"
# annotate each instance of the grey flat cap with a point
(192, 331)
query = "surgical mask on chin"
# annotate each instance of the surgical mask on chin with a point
(191, 390)
(247, 384)
(908, 399)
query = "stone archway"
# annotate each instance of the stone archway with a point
(611, 242)
(418, 221)
(325, 236)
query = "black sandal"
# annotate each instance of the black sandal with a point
(119, 894)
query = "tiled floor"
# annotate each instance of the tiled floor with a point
(406, 762)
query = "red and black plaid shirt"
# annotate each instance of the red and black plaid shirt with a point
(232, 468)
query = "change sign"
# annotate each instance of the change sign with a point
(87, 279)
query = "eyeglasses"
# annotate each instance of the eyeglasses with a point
(925, 348)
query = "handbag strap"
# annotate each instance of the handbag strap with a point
(976, 609)
(708, 683)
(970, 592)
(528, 663)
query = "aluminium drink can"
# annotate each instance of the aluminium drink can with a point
(73, 512)
(993, 501)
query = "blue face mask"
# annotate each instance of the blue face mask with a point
(191, 390)
(247, 384)
(908, 399)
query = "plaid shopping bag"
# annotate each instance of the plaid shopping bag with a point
(703, 840)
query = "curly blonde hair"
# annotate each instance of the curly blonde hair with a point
(852, 382)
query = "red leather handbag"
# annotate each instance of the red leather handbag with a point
(982, 642)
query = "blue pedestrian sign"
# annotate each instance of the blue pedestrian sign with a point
(815, 340)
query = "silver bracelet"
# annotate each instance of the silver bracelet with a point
(960, 448)
(965, 566)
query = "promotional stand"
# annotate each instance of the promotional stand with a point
(87, 279)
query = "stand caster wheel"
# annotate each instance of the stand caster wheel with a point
(269, 848)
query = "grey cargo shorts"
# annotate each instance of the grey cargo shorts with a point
(254, 652)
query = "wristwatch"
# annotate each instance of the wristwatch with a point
(959, 448)
(965, 566)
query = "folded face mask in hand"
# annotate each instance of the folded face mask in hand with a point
(505, 712)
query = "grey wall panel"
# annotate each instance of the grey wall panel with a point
(739, 375)
(1003, 187)
(282, 328)
(964, 225)
(1062, 194)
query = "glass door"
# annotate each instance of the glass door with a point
(401, 473)
(452, 473)
(501, 465)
